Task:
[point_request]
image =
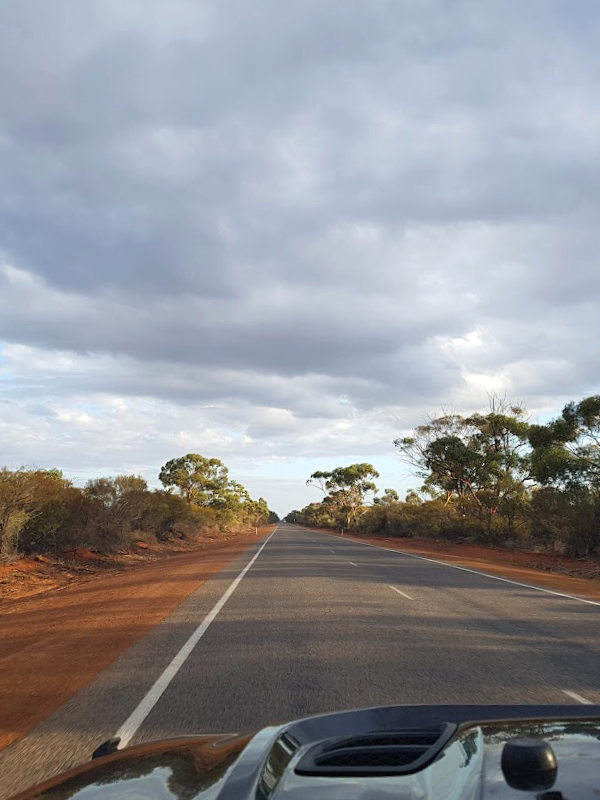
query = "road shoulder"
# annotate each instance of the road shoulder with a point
(52, 645)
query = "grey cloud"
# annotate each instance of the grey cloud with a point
(305, 206)
(462, 142)
(316, 335)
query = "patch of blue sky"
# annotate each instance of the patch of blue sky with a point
(5, 373)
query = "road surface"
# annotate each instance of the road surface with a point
(304, 623)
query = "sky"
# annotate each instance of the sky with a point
(283, 233)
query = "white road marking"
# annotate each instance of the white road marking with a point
(408, 597)
(578, 697)
(130, 727)
(353, 564)
(475, 572)
(332, 551)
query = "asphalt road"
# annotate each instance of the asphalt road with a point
(320, 623)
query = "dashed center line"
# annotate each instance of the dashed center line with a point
(408, 597)
(405, 554)
(578, 697)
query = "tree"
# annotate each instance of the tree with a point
(346, 488)
(566, 461)
(501, 439)
(230, 498)
(257, 512)
(316, 515)
(119, 503)
(480, 460)
(413, 498)
(389, 496)
(438, 452)
(200, 480)
(566, 451)
(111, 491)
(23, 494)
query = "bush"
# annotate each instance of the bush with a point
(424, 520)
(42, 512)
(566, 521)
(49, 515)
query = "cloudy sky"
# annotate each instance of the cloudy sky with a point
(280, 233)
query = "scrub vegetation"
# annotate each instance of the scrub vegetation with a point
(41, 511)
(490, 478)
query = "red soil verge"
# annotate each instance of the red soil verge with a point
(31, 575)
(54, 643)
(548, 571)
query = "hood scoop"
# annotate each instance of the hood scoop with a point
(396, 752)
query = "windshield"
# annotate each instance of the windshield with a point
(299, 396)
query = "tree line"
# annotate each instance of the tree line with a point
(491, 477)
(41, 511)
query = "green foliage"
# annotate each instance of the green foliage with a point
(566, 521)
(480, 459)
(205, 482)
(317, 515)
(54, 525)
(23, 492)
(389, 496)
(566, 451)
(345, 490)
(199, 479)
(40, 511)
(493, 478)
(106, 515)
(413, 498)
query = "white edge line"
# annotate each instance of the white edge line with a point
(474, 571)
(408, 597)
(578, 697)
(130, 727)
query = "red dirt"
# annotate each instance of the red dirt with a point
(559, 573)
(37, 574)
(54, 643)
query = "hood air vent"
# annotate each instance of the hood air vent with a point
(376, 754)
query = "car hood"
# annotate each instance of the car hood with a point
(286, 761)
